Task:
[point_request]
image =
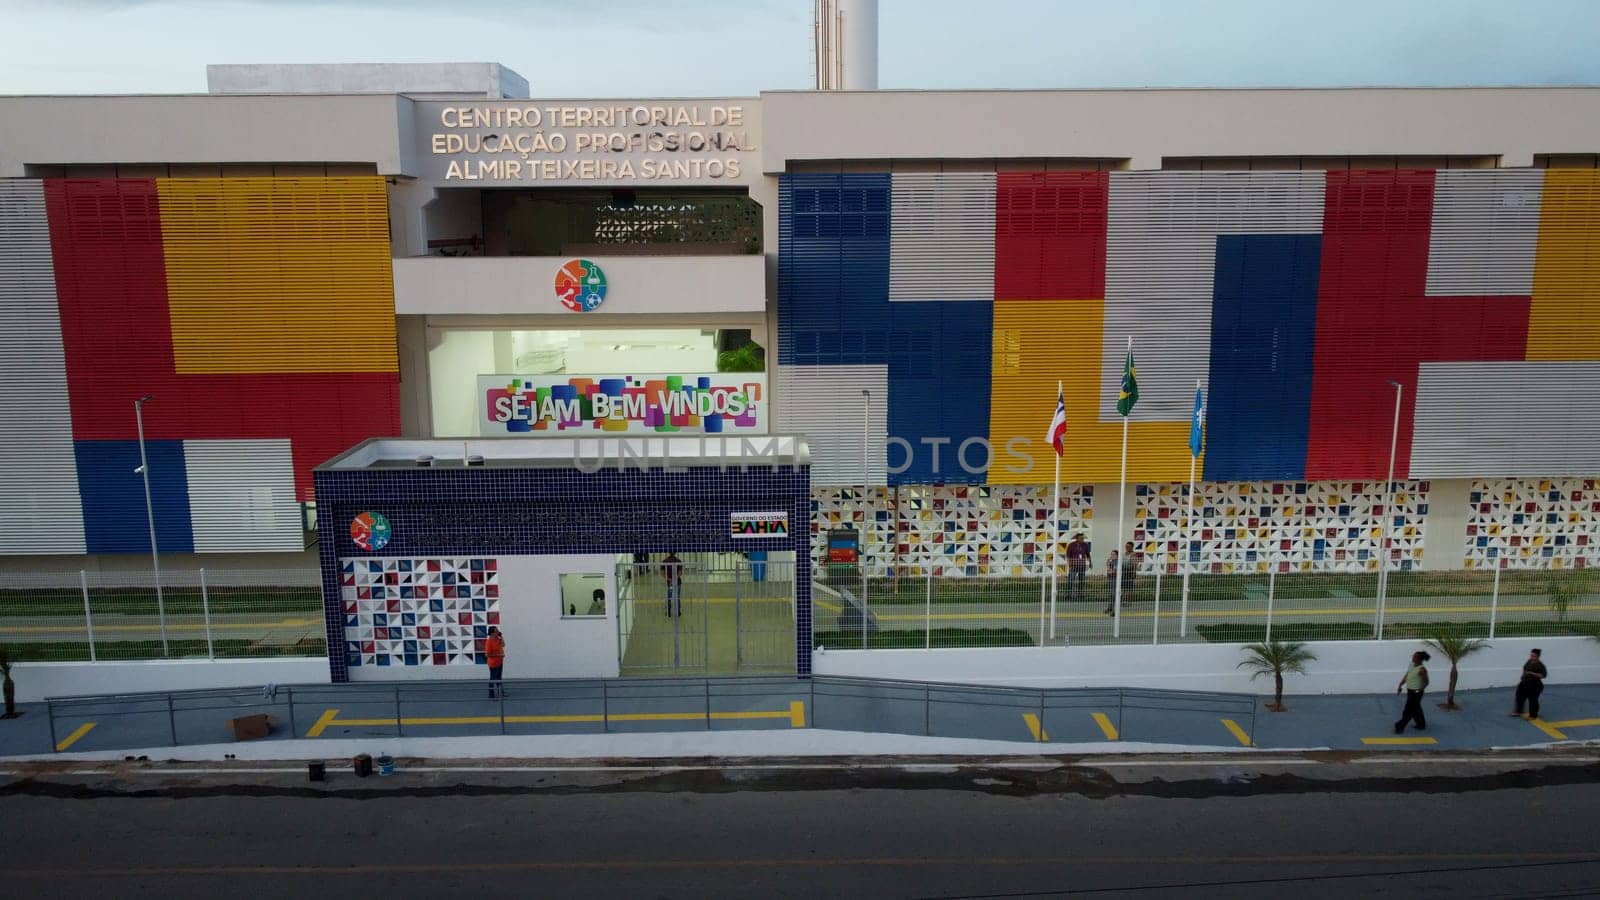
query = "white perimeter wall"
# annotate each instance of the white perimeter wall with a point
(38, 681)
(540, 642)
(1342, 667)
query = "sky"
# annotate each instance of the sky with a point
(618, 48)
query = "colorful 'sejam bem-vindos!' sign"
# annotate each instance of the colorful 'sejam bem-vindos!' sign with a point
(577, 405)
(758, 525)
(580, 285)
(370, 531)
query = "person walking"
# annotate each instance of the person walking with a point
(1111, 582)
(494, 648)
(1531, 685)
(1414, 682)
(1078, 563)
(672, 572)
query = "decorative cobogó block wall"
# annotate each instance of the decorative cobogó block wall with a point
(969, 530)
(958, 530)
(1290, 526)
(1533, 524)
(425, 611)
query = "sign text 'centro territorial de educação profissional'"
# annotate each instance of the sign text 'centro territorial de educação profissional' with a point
(643, 142)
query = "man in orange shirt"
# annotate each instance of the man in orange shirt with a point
(495, 649)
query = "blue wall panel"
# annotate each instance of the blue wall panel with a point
(833, 269)
(114, 518)
(1263, 329)
(940, 357)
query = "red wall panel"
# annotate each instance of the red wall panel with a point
(111, 287)
(1374, 323)
(1050, 235)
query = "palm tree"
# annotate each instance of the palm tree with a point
(10, 686)
(1276, 657)
(1454, 647)
(1562, 590)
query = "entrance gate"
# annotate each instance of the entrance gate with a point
(721, 619)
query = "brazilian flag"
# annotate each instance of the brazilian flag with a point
(1130, 386)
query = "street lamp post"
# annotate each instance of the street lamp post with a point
(1388, 512)
(150, 515)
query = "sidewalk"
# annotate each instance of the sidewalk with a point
(780, 722)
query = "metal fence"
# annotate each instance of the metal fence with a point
(688, 617)
(738, 616)
(205, 613)
(601, 706)
(921, 608)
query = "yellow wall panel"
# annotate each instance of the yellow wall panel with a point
(1036, 344)
(279, 274)
(1564, 320)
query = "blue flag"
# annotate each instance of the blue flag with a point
(1197, 438)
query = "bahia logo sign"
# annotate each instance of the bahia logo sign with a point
(581, 285)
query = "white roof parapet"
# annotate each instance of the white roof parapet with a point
(589, 453)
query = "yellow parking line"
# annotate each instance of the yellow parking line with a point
(1573, 723)
(1194, 613)
(322, 722)
(1237, 732)
(1399, 741)
(72, 738)
(1035, 727)
(796, 714)
(1550, 728)
(1106, 727)
(155, 627)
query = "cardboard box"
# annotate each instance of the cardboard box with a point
(248, 728)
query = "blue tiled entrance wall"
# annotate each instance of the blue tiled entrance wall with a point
(514, 511)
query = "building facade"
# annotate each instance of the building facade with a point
(901, 277)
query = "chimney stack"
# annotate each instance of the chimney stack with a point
(845, 33)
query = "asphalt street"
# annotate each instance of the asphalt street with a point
(950, 830)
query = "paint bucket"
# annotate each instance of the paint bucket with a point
(317, 771)
(362, 765)
(385, 765)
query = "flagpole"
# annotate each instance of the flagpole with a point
(1188, 542)
(1122, 498)
(1055, 537)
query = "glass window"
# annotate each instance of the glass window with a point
(456, 357)
(583, 594)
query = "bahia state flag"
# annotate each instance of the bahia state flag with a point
(1197, 422)
(1130, 386)
(1058, 425)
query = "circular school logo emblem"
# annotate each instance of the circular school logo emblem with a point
(370, 531)
(580, 285)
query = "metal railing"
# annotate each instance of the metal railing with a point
(917, 608)
(601, 706)
(941, 709)
(204, 613)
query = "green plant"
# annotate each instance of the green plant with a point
(1455, 647)
(748, 358)
(10, 686)
(1276, 658)
(1560, 592)
(1563, 588)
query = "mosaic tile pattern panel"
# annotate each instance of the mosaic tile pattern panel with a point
(418, 611)
(1528, 524)
(1328, 526)
(959, 530)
